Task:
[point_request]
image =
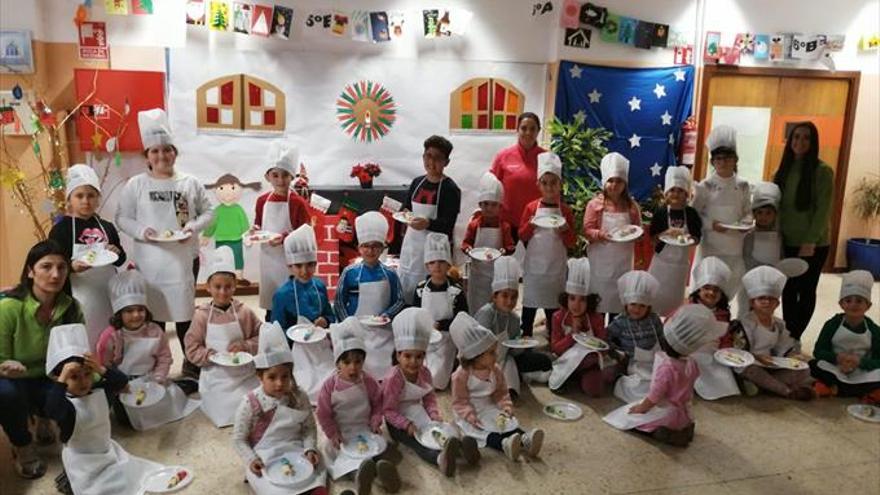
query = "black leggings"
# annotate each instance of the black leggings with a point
(428, 455)
(799, 295)
(530, 360)
(528, 319)
(494, 439)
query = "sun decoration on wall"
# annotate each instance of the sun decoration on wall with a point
(366, 111)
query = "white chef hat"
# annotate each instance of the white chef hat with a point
(66, 341)
(272, 348)
(637, 287)
(127, 288)
(677, 177)
(578, 281)
(155, 129)
(346, 336)
(490, 188)
(722, 136)
(471, 338)
(692, 326)
(766, 194)
(300, 246)
(505, 274)
(549, 162)
(222, 261)
(712, 271)
(856, 283)
(764, 281)
(437, 248)
(412, 329)
(81, 175)
(372, 226)
(284, 156)
(614, 165)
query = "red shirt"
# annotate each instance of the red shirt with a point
(470, 235)
(527, 229)
(297, 209)
(560, 342)
(517, 169)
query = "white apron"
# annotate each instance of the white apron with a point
(479, 284)
(95, 464)
(724, 207)
(715, 380)
(670, 267)
(137, 360)
(544, 266)
(351, 410)
(766, 250)
(845, 340)
(634, 385)
(273, 265)
(281, 437)
(622, 419)
(222, 387)
(312, 362)
(410, 403)
(481, 399)
(373, 299)
(608, 262)
(505, 359)
(440, 357)
(91, 289)
(569, 361)
(412, 268)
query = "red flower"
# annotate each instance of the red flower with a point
(365, 171)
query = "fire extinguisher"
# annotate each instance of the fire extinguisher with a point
(687, 149)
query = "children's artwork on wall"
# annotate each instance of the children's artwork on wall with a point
(219, 15)
(339, 26)
(541, 9)
(360, 26)
(230, 220)
(661, 35)
(195, 12)
(644, 37)
(684, 55)
(835, 42)
(431, 23)
(282, 19)
(142, 7)
(239, 102)
(366, 111)
(261, 20)
(806, 47)
(241, 17)
(712, 46)
(15, 52)
(869, 42)
(379, 27)
(745, 42)
(777, 47)
(593, 15)
(762, 47)
(679, 37)
(627, 30)
(568, 18)
(16, 116)
(730, 55)
(396, 21)
(611, 30)
(92, 41)
(116, 7)
(485, 104)
(319, 21)
(577, 38)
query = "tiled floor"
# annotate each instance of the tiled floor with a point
(761, 445)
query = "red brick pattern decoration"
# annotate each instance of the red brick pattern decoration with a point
(328, 249)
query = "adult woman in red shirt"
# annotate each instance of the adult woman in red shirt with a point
(517, 169)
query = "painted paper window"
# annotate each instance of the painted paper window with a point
(240, 103)
(485, 104)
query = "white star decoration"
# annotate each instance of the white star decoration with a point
(635, 104)
(580, 116)
(666, 118)
(679, 75)
(635, 141)
(575, 72)
(671, 139)
(659, 90)
(655, 170)
(594, 96)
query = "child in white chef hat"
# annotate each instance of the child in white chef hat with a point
(480, 401)
(711, 279)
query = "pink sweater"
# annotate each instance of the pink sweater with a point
(325, 412)
(392, 388)
(110, 348)
(461, 394)
(593, 216)
(194, 342)
(517, 169)
(672, 385)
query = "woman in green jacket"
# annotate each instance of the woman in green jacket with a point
(807, 185)
(27, 314)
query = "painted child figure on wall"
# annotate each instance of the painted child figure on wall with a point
(230, 220)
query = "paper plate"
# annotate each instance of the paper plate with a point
(682, 240)
(864, 412)
(484, 253)
(98, 257)
(435, 433)
(590, 342)
(291, 469)
(792, 267)
(789, 363)
(374, 321)
(158, 481)
(403, 216)
(735, 358)
(260, 236)
(626, 234)
(522, 343)
(364, 445)
(171, 236)
(231, 358)
(741, 225)
(306, 333)
(563, 411)
(497, 422)
(151, 392)
(549, 221)
(436, 336)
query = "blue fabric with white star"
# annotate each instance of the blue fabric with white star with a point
(643, 108)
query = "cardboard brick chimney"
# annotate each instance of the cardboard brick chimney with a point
(328, 249)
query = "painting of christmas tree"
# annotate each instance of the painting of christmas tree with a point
(219, 19)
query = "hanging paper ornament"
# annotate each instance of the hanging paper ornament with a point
(36, 125)
(81, 15)
(110, 145)
(117, 159)
(17, 92)
(36, 146)
(366, 111)
(56, 180)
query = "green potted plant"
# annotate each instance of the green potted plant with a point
(863, 253)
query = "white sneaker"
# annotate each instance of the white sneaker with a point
(532, 442)
(512, 446)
